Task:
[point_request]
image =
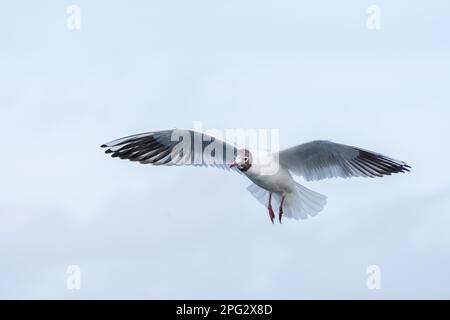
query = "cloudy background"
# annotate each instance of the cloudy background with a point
(314, 71)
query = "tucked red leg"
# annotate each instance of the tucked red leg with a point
(280, 212)
(271, 214)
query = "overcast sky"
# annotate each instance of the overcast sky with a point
(311, 70)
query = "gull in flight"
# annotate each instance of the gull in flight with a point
(271, 172)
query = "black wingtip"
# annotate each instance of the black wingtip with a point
(103, 146)
(379, 165)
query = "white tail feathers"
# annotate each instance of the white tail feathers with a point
(297, 205)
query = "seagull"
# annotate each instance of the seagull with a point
(271, 172)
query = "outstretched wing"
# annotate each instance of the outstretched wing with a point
(173, 147)
(319, 160)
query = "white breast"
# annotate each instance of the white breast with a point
(267, 173)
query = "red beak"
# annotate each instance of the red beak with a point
(233, 165)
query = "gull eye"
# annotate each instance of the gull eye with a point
(246, 159)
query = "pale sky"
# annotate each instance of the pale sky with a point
(311, 70)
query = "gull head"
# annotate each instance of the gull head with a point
(243, 160)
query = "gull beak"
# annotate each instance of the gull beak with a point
(233, 165)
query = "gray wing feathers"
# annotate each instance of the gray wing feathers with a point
(319, 160)
(173, 147)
